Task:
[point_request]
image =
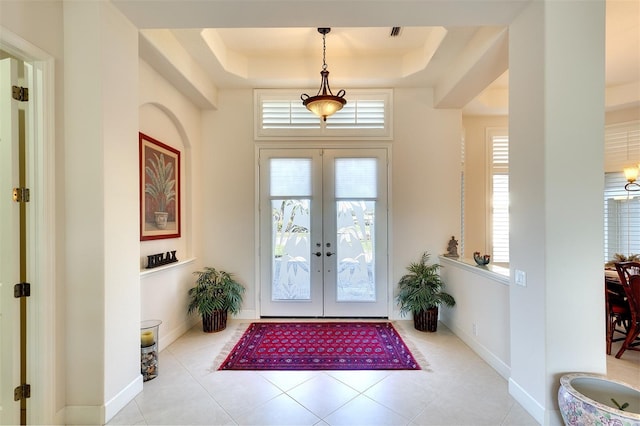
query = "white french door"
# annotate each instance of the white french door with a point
(323, 232)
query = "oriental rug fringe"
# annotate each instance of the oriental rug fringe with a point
(317, 346)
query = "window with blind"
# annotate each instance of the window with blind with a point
(498, 143)
(621, 208)
(280, 114)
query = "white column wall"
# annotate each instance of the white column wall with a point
(228, 170)
(556, 128)
(101, 162)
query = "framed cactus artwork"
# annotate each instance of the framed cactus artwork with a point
(159, 190)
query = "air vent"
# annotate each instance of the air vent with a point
(395, 31)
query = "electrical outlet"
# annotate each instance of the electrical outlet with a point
(474, 329)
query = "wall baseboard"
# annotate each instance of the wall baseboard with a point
(99, 414)
(528, 403)
(496, 363)
(125, 396)
(81, 415)
(168, 338)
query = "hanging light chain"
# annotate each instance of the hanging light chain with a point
(324, 50)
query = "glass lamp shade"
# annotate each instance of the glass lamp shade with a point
(324, 105)
(631, 174)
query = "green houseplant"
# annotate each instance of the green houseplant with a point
(215, 294)
(420, 292)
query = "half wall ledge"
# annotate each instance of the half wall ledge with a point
(146, 272)
(494, 272)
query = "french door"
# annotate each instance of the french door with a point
(323, 232)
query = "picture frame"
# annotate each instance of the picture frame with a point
(159, 189)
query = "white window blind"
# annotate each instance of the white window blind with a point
(290, 177)
(621, 146)
(499, 217)
(621, 208)
(356, 178)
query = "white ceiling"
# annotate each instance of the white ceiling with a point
(238, 53)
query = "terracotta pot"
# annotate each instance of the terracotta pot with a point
(214, 322)
(426, 320)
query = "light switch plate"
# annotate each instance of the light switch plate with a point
(521, 278)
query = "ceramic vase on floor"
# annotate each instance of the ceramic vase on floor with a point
(588, 399)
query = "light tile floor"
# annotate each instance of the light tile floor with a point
(455, 387)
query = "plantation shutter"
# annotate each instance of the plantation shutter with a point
(500, 198)
(287, 114)
(280, 114)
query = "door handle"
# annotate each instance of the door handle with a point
(329, 254)
(318, 253)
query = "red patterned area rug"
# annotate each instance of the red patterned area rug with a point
(320, 346)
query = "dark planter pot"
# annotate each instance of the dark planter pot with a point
(426, 320)
(214, 322)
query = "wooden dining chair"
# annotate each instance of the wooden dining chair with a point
(617, 312)
(629, 274)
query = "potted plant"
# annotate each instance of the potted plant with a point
(215, 294)
(420, 292)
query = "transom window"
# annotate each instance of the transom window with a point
(281, 115)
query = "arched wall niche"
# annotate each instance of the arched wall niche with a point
(162, 124)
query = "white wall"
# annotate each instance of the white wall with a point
(228, 159)
(102, 281)
(481, 314)
(167, 115)
(425, 179)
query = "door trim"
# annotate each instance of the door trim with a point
(41, 242)
(337, 144)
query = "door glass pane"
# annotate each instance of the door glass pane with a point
(355, 251)
(290, 189)
(290, 249)
(356, 189)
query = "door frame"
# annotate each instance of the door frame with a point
(337, 144)
(41, 242)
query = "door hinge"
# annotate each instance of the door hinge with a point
(21, 195)
(22, 392)
(20, 93)
(21, 290)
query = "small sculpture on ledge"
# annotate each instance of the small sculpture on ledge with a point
(452, 248)
(481, 260)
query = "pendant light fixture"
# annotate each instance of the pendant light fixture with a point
(631, 174)
(325, 103)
